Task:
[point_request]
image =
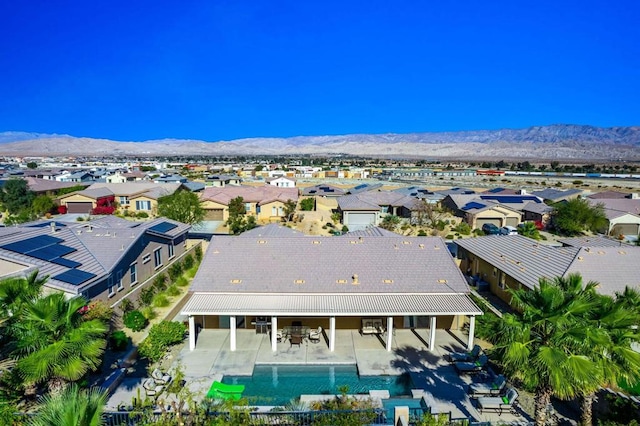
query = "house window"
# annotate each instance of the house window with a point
(119, 281)
(133, 273)
(281, 210)
(143, 205)
(124, 201)
(503, 279)
(110, 287)
(146, 258)
(274, 211)
(247, 207)
(157, 257)
(171, 250)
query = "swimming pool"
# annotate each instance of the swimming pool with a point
(279, 384)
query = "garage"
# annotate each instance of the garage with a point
(624, 229)
(358, 221)
(494, 221)
(79, 207)
(214, 214)
(512, 221)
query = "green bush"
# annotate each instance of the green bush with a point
(173, 290)
(161, 301)
(146, 295)
(307, 204)
(119, 341)
(160, 282)
(463, 228)
(142, 215)
(161, 337)
(450, 237)
(149, 313)
(422, 233)
(182, 281)
(198, 253)
(175, 270)
(135, 320)
(126, 305)
(345, 228)
(187, 262)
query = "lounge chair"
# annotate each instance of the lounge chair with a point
(160, 378)
(498, 403)
(471, 367)
(492, 388)
(295, 339)
(315, 335)
(151, 388)
(224, 391)
(465, 356)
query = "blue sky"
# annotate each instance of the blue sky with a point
(220, 70)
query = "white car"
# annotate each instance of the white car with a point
(508, 230)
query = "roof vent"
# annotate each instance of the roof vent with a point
(387, 281)
(588, 249)
(353, 242)
(262, 241)
(580, 258)
(395, 246)
(355, 279)
(236, 281)
(299, 281)
(600, 252)
(406, 242)
(360, 239)
(442, 281)
(122, 247)
(317, 242)
(341, 281)
(53, 227)
(421, 246)
(436, 247)
(622, 252)
(79, 231)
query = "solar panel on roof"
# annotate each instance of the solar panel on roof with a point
(364, 185)
(473, 205)
(74, 276)
(52, 251)
(66, 262)
(163, 227)
(31, 244)
(44, 224)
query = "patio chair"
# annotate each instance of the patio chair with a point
(493, 388)
(160, 378)
(498, 403)
(279, 335)
(151, 388)
(315, 335)
(465, 356)
(295, 339)
(471, 367)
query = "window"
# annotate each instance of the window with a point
(143, 205)
(157, 257)
(123, 200)
(133, 273)
(274, 211)
(247, 207)
(110, 288)
(146, 258)
(503, 279)
(119, 281)
(171, 250)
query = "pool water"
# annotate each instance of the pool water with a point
(279, 384)
(413, 404)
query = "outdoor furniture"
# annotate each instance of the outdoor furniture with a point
(151, 388)
(224, 391)
(315, 335)
(372, 326)
(498, 403)
(465, 356)
(471, 367)
(295, 339)
(279, 335)
(160, 378)
(492, 388)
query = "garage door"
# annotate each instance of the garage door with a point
(358, 221)
(481, 221)
(78, 207)
(625, 229)
(512, 221)
(213, 214)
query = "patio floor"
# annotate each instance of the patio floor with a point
(444, 390)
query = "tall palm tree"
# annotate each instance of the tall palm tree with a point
(539, 345)
(16, 291)
(54, 343)
(72, 407)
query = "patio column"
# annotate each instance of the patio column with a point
(332, 333)
(274, 334)
(192, 333)
(232, 335)
(432, 333)
(389, 333)
(472, 329)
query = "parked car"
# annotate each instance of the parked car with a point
(490, 229)
(508, 230)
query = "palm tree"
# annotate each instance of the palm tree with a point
(529, 230)
(54, 343)
(72, 407)
(539, 345)
(16, 291)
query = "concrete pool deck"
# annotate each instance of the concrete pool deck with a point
(444, 390)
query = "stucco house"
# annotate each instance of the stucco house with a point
(623, 215)
(365, 209)
(266, 202)
(281, 182)
(287, 278)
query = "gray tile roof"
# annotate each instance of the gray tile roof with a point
(96, 192)
(554, 194)
(539, 208)
(372, 231)
(134, 188)
(593, 241)
(612, 267)
(374, 200)
(270, 230)
(322, 190)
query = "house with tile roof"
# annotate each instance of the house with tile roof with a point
(265, 202)
(623, 215)
(223, 180)
(335, 282)
(513, 262)
(106, 258)
(365, 209)
(480, 209)
(554, 195)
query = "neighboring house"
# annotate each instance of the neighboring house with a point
(364, 209)
(79, 176)
(106, 259)
(281, 182)
(338, 283)
(623, 215)
(611, 195)
(138, 196)
(455, 191)
(322, 190)
(364, 187)
(224, 180)
(421, 194)
(480, 209)
(513, 262)
(170, 179)
(122, 177)
(537, 212)
(85, 201)
(49, 187)
(266, 202)
(552, 195)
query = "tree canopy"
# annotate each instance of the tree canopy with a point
(16, 197)
(576, 216)
(239, 221)
(182, 206)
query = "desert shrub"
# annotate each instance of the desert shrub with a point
(173, 290)
(463, 228)
(126, 305)
(161, 301)
(80, 219)
(135, 320)
(329, 225)
(142, 215)
(307, 204)
(146, 295)
(182, 281)
(160, 282)
(175, 270)
(450, 237)
(98, 310)
(198, 253)
(187, 262)
(161, 337)
(149, 313)
(440, 225)
(119, 340)
(422, 233)
(345, 228)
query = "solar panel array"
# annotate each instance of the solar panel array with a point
(473, 205)
(163, 227)
(74, 276)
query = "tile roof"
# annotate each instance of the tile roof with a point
(375, 200)
(593, 241)
(323, 190)
(613, 268)
(364, 187)
(43, 185)
(270, 230)
(133, 188)
(539, 208)
(250, 194)
(554, 194)
(609, 195)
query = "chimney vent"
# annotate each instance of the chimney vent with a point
(355, 279)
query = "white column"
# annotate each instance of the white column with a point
(332, 333)
(432, 333)
(472, 330)
(232, 335)
(274, 332)
(192, 333)
(389, 333)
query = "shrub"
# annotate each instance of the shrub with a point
(198, 253)
(160, 282)
(182, 281)
(421, 233)
(463, 228)
(119, 341)
(135, 320)
(80, 219)
(345, 228)
(187, 262)
(126, 305)
(450, 237)
(161, 337)
(98, 310)
(149, 313)
(173, 290)
(175, 270)
(142, 215)
(161, 301)
(146, 295)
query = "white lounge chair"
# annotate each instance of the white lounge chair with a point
(471, 367)
(492, 388)
(498, 403)
(160, 378)
(465, 356)
(315, 335)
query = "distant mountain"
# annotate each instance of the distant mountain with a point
(554, 142)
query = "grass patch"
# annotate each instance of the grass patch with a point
(149, 313)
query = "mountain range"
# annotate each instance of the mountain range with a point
(554, 142)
